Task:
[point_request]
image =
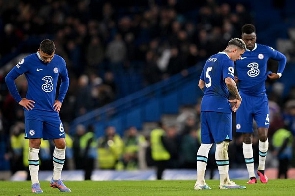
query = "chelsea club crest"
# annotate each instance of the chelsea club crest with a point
(55, 70)
(260, 56)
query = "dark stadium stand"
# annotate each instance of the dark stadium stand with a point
(136, 101)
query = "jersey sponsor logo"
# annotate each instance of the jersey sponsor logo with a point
(48, 84)
(39, 69)
(243, 58)
(260, 56)
(254, 69)
(55, 70)
(32, 132)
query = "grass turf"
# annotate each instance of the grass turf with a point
(150, 188)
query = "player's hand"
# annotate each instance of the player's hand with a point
(273, 76)
(235, 104)
(27, 103)
(236, 79)
(57, 105)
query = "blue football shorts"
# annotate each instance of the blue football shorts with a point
(46, 125)
(252, 108)
(215, 127)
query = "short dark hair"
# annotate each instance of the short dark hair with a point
(47, 46)
(248, 29)
(237, 42)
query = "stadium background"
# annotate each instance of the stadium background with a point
(134, 63)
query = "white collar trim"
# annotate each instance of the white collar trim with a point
(255, 46)
(224, 53)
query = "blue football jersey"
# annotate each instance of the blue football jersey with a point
(216, 69)
(251, 69)
(42, 80)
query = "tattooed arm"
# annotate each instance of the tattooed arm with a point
(233, 90)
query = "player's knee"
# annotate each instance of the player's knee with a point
(204, 148)
(60, 143)
(263, 138)
(221, 152)
(223, 146)
(35, 143)
(262, 134)
(247, 139)
(60, 146)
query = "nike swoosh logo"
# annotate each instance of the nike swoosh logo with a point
(266, 123)
(243, 58)
(39, 69)
(61, 134)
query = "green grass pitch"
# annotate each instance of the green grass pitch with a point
(150, 188)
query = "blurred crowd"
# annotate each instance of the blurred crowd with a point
(102, 39)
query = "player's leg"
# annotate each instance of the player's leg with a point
(53, 129)
(248, 156)
(222, 134)
(262, 119)
(244, 121)
(59, 156)
(222, 161)
(33, 132)
(263, 148)
(202, 159)
(203, 151)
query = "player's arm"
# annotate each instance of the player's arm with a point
(9, 80)
(233, 90)
(202, 81)
(281, 58)
(64, 85)
(201, 84)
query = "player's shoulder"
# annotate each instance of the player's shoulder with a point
(223, 58)
(59, 59)
(218, 56)
(31, 56)
(212, 56)
(29, 59)
(265, 47)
